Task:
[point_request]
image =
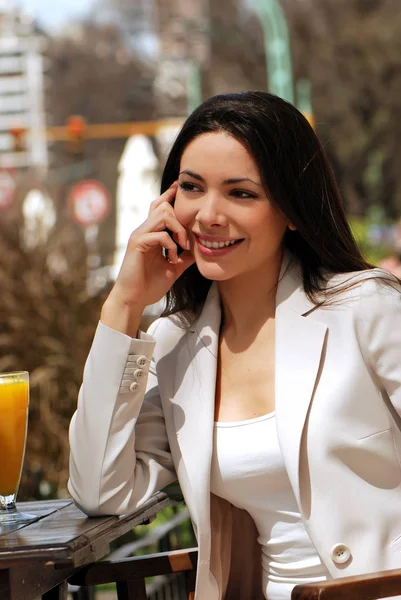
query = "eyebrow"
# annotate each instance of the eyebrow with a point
(225, 182)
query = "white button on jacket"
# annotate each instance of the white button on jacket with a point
(340, 553)
(141, 361)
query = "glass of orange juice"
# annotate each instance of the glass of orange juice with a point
(14, 403)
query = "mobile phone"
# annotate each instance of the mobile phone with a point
(180, 250)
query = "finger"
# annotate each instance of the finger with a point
(158, 238)
(165, 218)
(181, 238)
(167, 196)
(179, 234)
(173, 224)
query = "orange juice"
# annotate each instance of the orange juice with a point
(14, 400)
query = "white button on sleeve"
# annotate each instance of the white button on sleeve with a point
(142, 361)
(138, 374)
(134, 386)
(340, 553)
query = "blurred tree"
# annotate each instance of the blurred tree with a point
(47, 321)
(135, 20)
(350, 51)
(238, 57)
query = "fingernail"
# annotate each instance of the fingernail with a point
(188, 245)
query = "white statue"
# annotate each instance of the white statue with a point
(39, 218)
(138, 185)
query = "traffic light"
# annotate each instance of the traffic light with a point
(76, 128)
(18, 134)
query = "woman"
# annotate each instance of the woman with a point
(271, 386)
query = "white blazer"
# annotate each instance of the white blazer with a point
(338, 401)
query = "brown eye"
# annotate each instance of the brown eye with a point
(243, 194)
(187, 186)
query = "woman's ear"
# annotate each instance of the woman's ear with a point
(291, 227)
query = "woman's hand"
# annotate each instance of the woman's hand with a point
(146, 275)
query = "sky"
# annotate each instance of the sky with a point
(52, 14)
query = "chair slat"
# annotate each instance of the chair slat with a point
(373, 586)
(137, 567)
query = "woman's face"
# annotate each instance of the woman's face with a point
(232, 226)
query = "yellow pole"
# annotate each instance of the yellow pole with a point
(112, 130)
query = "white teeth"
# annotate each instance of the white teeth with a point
(216, 244)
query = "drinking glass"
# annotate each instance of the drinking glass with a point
(14, 402)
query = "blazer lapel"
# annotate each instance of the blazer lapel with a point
(195, 385)
(299, 341)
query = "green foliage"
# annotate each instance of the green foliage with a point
(372, 252)
(181, 537)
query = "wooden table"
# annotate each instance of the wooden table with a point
(37, 558)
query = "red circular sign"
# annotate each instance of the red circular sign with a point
(7, 189)
(90, 202)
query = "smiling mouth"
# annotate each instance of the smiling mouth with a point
(216, 245)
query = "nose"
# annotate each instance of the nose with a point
(211, 213)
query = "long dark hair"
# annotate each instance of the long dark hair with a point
(297, 177)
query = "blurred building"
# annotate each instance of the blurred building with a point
(22, 118)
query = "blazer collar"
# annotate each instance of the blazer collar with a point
(299, 342)
(194, 399)
(208, 322)
(290, 295)
(290, 292)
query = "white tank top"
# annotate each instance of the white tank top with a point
(248, 470)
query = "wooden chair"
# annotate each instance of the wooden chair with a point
(384, 584)
(129, 573)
